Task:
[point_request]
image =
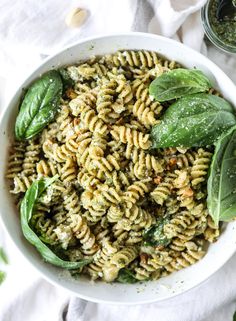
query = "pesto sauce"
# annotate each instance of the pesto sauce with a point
(224, 30)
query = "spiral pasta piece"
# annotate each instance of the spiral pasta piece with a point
(63, 125)
(124, 90)
(172, 205)
(100, 70)
(135, 191)
(47, 168)
(133, 58)
(87, 99)
(87, 181)
(186, 258)
(150, 266)
(52, 195)
(15, 160)
(183, 226)
(187, 159)
(93, 215)
(81, 88)
(82, 231)
(101, 232)
(91, 121)
(140, 89)
(51, 131)
(134, 238)
(115, 213)
(105, 196)
(118, 261)
(150, 162)
(22, 183)
(100, 259)
(105, 99)
(53, 151)
(161, 193)
(136, 219)
(31, 157)
(97, 147)
(89, 71)
(144, 114)
(212, 232)
(107, 164)
(78, 224)
(184, 190)
(136, 124)
(68, 171)
(84, 160)
(118, 179)
(200, 167)
(131, 136)
(83, 140)
(137, 170)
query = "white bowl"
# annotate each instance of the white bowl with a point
(154, 291)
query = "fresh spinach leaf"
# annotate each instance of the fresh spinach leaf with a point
(194, 120)
(126, 276)
(178, 83)
(67, 81)
(221, 186)
(26, 210)
(154, 236)
(3, 256)
(2, 277)
(39, 105)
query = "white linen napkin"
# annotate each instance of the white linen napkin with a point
(31, 30)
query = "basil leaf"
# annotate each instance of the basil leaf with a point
(26, 210)
(221, 184)
(154, 236)
(39, 105)
(126, 276)
(178, 83)
(194, 120)
(67, 81)
(2, 277)
(3, 256)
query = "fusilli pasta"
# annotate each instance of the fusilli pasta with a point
(112, 188)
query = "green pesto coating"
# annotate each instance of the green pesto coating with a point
(225, 29)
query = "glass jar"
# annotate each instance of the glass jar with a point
(214, 37)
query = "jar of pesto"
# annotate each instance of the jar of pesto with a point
(222, 33)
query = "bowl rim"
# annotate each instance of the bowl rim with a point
(19, 87)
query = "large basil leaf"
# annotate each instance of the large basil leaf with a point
(221, 184)
(126, 276)
(154, 236)
(39, 105)
(194, 120)
(178, 83)
(26, 210)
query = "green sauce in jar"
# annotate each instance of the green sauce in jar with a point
(225, 30)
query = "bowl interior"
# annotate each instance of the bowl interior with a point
(164, 288)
